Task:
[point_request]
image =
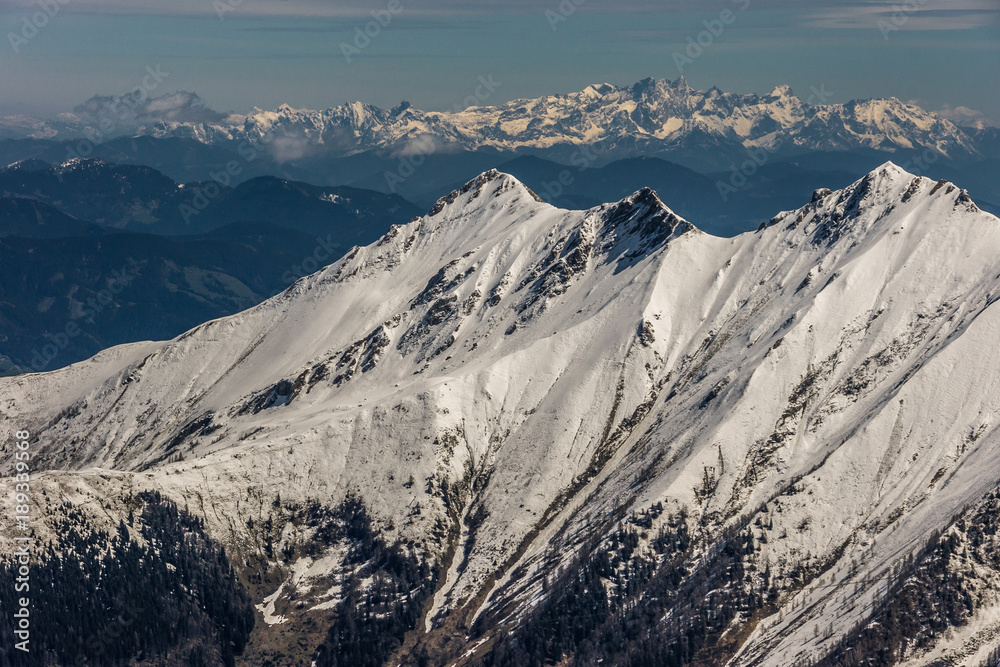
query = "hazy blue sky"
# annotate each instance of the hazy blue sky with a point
(268, 52)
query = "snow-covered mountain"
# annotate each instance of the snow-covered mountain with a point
(791, 422)
(648, 117)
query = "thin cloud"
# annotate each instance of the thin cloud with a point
(179, 107)
(959, 15)
(842, 14)
(962, 115)
(337, 26)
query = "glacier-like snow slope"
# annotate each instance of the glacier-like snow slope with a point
(501, 379)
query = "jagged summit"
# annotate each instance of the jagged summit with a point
(598, 89)
(889, 177)
(650, 87)
(643, 213)
(498, 181)
(642, 209)
(869, 200)
(648, 198)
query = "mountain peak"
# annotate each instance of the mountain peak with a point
(497, 181)
(891, 171)
(858, 208)
(598, 90)
(883, 187)
(782, 90)
(645, 197)
(650, 87)
(643, 213)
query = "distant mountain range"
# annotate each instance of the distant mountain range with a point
(651, 117)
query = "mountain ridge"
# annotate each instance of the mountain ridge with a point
(650, 116)
(502, 382)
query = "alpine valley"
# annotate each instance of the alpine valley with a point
(507, 433)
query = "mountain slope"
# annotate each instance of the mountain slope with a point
(514, 391)
(29, 218)
(64, 299)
